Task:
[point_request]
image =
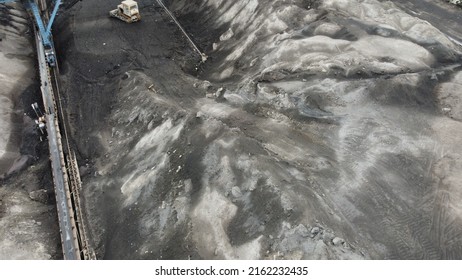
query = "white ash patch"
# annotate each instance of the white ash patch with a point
(150, 155)
(210, 219)
(449, 97)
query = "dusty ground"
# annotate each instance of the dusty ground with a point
(17, 73)
(28, 221)
(316, 129)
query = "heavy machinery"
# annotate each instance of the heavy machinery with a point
(45, 31)
(126, 11)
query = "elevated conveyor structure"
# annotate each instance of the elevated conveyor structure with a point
(64, 165)
(67, 225)
(63, 160)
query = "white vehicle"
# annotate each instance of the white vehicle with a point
(126, 11)
(456, 2)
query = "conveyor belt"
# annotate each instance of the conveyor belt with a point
(67, 225)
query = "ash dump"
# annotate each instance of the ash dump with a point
(28, 219)
(315, 130)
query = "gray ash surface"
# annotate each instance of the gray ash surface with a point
(312, 121)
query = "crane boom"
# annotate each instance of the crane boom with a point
(45, 31)
(53, 16)
(38, 21)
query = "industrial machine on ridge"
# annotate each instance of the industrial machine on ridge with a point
(44, 30)
(126, 11)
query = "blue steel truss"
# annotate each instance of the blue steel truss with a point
(45, 31)
(41, 27)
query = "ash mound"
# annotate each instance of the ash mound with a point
(316, 129)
